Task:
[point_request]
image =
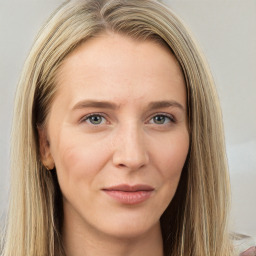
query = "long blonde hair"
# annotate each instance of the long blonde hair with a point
(195, 223)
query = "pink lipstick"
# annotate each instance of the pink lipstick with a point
(127, 194)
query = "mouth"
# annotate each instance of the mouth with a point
(127, 194)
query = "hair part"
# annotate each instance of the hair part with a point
(195, 223)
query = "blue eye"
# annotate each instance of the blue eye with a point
(161, 119)
(95, 119)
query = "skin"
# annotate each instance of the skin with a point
(250, 252)
(133, 142)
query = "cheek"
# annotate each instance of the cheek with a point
(172, 156)
(78, 160)
(169, 160)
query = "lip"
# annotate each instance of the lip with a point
(129, 194)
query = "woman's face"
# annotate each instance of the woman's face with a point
(118, 135)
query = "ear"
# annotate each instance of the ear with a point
(44, 148)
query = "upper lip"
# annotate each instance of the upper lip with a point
(130, 188)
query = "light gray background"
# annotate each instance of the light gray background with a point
(226, 31)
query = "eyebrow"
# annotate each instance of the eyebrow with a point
(109, 105)
(94, 104)
(166, 104)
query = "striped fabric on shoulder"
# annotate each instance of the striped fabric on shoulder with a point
(244, 245)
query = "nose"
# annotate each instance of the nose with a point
(130, 151)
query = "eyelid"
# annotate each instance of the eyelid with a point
(172, 118)
(84, 118)
(168, 115)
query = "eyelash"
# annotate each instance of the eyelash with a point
(103, 116)
(87, 117)
(165, 115)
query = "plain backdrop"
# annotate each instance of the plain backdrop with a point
(225, 30)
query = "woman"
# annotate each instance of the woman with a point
(118, 146)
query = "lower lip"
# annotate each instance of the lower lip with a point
(133, 197)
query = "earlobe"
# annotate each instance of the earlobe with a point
(44, 149)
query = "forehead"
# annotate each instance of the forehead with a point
(115, 63)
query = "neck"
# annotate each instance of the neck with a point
(83, 240)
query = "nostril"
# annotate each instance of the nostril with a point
(128, 162)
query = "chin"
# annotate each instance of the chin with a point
(130, 229)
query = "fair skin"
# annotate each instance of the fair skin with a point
(119, 117)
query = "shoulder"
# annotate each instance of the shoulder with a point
(249, 252)
(244, 245)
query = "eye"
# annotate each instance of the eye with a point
(161, 119)
(95, 119)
